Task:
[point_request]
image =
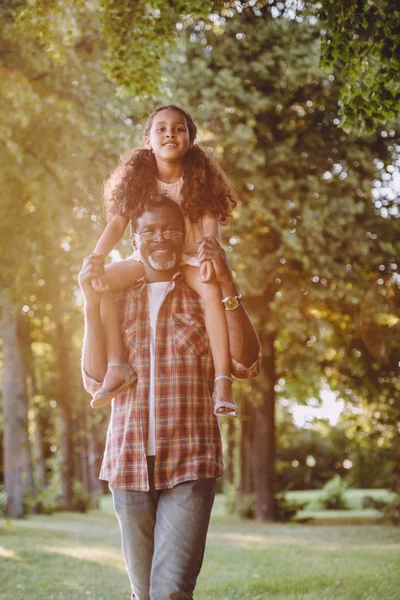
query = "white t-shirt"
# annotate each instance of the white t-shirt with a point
(156, 293)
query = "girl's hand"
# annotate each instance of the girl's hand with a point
(99, 285)
(207, 273)
(92, 268)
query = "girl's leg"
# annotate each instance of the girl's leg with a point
(118, 277)
(217, 330)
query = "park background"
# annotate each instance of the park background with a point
(299, 102)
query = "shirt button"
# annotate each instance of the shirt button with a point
(126, 330)
(192, 322)
(165, 192)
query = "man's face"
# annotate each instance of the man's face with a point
(160, 254)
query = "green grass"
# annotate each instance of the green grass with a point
(71, 556)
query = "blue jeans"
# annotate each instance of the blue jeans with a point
(163, 535)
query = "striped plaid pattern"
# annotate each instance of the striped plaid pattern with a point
(188, 439)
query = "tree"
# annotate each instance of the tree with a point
(359, 43)
(61, 130)
(307, 239)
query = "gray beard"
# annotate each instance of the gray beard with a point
(162, 265)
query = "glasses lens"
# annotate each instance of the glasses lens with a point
(172, 234)
(147, 236)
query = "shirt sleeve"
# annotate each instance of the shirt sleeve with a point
(90, 384)
(242, 372)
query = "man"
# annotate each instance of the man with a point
(163, 451)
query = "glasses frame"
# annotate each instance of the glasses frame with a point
(149, 236)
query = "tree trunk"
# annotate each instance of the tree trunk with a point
(230, 450)
(246, 485)
(96, 450)
(264, 438)
(13, 400)
(66, 404)
(40, 467)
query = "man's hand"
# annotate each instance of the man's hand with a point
(92, 268)
(210, 249)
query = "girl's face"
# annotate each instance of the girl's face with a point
(169, 137)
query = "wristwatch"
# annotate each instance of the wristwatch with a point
(232, 302)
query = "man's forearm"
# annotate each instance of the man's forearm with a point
(243, 340)
(94, 357)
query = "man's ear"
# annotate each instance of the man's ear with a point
(133, 241)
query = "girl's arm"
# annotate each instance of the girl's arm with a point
(111, 235)
(211, 226)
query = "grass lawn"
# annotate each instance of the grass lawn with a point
(70, 556)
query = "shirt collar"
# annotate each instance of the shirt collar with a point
(141, 283)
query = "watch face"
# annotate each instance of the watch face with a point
(231, 303)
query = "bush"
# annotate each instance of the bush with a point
(244, 506)
(390, 511)
(3, 502)
(81, 500)
(48, 501)
(287, 509)
(332, 497)
(28, 504)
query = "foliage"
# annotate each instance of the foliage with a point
(360, 42)
(287, 508)
(332, 496)
(244, 506)
(48, 501)
(3, 502)
(241, 505)
(136, 35)
(325, 445)
(315, 230)
(390, 510)
(81, 499)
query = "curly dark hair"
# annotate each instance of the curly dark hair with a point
(205, 188)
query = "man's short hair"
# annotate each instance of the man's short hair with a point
(159, 202)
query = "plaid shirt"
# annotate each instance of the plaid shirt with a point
(188, 439)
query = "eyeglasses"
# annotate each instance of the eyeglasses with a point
(170, 234)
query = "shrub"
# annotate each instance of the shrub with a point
(29, 504)
(244, 506)
(48, 501)
(3, 502)
(332, 497)
(390, 510)
(81, 500)
(287, 509)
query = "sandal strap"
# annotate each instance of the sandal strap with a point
(126, 367)
(225, 404)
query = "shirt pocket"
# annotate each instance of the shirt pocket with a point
(190, 334)
(129, 335)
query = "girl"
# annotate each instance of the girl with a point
(171, 165)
